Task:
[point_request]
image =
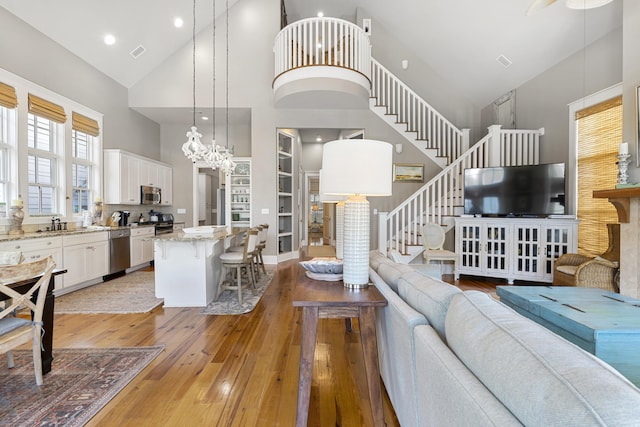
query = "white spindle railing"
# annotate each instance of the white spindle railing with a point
(322, 41)
(430, 126)
(444, 193)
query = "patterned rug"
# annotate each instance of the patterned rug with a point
(228, 301)
(81, 382)
(131, 293)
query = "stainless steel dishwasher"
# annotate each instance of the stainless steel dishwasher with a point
(119, 252)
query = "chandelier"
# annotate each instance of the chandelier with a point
(214, 155)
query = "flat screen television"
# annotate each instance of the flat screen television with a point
(526, 191)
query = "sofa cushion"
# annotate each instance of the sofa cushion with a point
(429, 296)
(540, 377)
(392, 272)
(451, 394)
(376, 258)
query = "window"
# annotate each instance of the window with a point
(42, 143)
(599, 130)
(7, 142)
(81, 171)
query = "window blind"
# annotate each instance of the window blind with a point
(599, 130)
(43, 108)
(84, 124)
(8, 98)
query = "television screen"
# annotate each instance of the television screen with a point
(536, 190)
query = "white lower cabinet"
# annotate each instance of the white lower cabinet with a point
(35, 249)
(86, 257)
(141, 245)
(513, 248)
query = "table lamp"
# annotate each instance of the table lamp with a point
(357, 168)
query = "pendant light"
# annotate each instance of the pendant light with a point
(193, 148)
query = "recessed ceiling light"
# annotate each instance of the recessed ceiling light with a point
(320, 14)
(205, 118)
(178, 22)
(109, 39)
(319, 139)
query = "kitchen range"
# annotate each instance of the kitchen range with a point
(162, 222)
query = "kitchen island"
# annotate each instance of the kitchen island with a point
(187, 266)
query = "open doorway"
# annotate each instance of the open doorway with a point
(318, 226)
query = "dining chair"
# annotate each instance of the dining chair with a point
(433, 241)
(234, 262)
(16, 331)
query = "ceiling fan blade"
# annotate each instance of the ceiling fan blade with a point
(536, 5)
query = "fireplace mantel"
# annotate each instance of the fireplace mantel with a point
(620, 198)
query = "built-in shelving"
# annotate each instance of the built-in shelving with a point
(239, 194)
(285, 193)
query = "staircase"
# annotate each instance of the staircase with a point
(441, 198)
(333, 56)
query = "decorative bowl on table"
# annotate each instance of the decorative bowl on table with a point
(328, 269)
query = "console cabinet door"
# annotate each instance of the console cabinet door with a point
(469, 248)
(496, 248)
(528, 242)
(559, 240)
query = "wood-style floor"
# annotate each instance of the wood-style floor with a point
(232, 370)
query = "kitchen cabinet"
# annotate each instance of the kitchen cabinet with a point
(86, 257)
(125, 172)
(513, 248)
(141, 244)
(35, 249)
(149, 174)
(165, 182)
(121, 172)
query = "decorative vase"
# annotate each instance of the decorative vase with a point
(16, 218)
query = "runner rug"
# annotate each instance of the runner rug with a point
(131, 293)
(227, 303)
(81, 382)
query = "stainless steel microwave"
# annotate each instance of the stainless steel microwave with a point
(150, 195)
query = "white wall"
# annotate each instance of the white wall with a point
(33, 56)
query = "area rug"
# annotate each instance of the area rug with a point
(131, 293)
(228, 301)
(81, 382)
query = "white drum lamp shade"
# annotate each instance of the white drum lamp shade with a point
(357, 168)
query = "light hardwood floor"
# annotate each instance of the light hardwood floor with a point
(231, 370)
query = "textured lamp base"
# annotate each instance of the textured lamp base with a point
(340, 230)
(356, 243)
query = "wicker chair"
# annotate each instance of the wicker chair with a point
(599, 272)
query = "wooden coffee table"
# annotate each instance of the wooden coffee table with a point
(603, 323)
(332, 300)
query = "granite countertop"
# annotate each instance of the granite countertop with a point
(79, 230)
(192, 234)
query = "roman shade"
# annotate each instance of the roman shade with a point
(8, 98)
(43, 108)
(599, 133)
(84, 124)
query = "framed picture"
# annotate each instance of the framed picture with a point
(408, 172)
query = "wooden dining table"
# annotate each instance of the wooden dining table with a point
(47, 315)
(320, 299)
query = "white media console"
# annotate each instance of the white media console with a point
(513, 248)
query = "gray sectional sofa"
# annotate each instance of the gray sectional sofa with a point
(453, 358)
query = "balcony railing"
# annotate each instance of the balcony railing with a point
(322, 42)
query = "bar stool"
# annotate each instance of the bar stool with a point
(234, 262)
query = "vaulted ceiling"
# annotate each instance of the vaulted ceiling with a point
(459, 39)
